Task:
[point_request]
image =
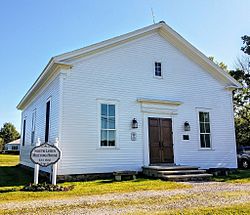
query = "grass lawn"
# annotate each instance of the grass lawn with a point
(242, 176)
(10, 174)
(14, 178)
(9, 160)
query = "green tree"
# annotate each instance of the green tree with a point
(242, 96)
(8, 132)
(220, 64)
(242, 126)
(246, 43)
(1, 144)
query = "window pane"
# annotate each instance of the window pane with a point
(111, 138)
(206, 117)
(111, 110)
(157, 73)
(207, 126)
(32, 137)
(202, 127)
(104, 122)
(111, 123)
(207, 139)
(157, 65)
(157, 69)
(201, 116)
(104, 141)
(202, 138)
(33, 120)
(104, 109)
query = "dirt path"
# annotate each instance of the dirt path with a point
(201, 194)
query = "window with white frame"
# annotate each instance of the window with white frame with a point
(205, 133)
(24, 132)
(158, 69)
(108, 125)
(33, 127)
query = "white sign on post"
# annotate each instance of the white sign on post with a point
(45, 155)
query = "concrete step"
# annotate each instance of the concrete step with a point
(188, 177)
(182, 172)
(173, 167)
(176, 172)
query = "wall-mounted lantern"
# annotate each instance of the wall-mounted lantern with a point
(134, 123)
(186, 126)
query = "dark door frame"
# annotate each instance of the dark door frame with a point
(148, 127)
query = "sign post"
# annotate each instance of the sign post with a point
(54, 168)
(36, 170)
(45, 155)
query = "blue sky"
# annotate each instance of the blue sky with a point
(33, 31)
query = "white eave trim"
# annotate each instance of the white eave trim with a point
(158, 101)
(232, 87)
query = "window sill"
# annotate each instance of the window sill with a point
(158, 77)
(206, 149)
(107, 148)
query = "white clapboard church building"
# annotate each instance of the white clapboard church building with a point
(143, 98)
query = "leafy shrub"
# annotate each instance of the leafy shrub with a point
(8, 190)
(45, 187)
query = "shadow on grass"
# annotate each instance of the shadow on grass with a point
(14, 176)
(239, 175)
(8, 190)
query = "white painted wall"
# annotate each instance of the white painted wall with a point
(52, 91)
(123, 74)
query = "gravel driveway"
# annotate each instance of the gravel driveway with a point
(200, 194)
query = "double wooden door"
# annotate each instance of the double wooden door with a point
(160, 140)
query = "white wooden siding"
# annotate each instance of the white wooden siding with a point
(124, 74)
(51, 90)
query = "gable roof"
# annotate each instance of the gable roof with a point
(62, 61)
(14, 142)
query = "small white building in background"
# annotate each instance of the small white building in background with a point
(141, 98)
(13, 146)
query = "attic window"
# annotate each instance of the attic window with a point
(158, 71)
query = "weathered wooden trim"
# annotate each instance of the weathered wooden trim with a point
(158, 101)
